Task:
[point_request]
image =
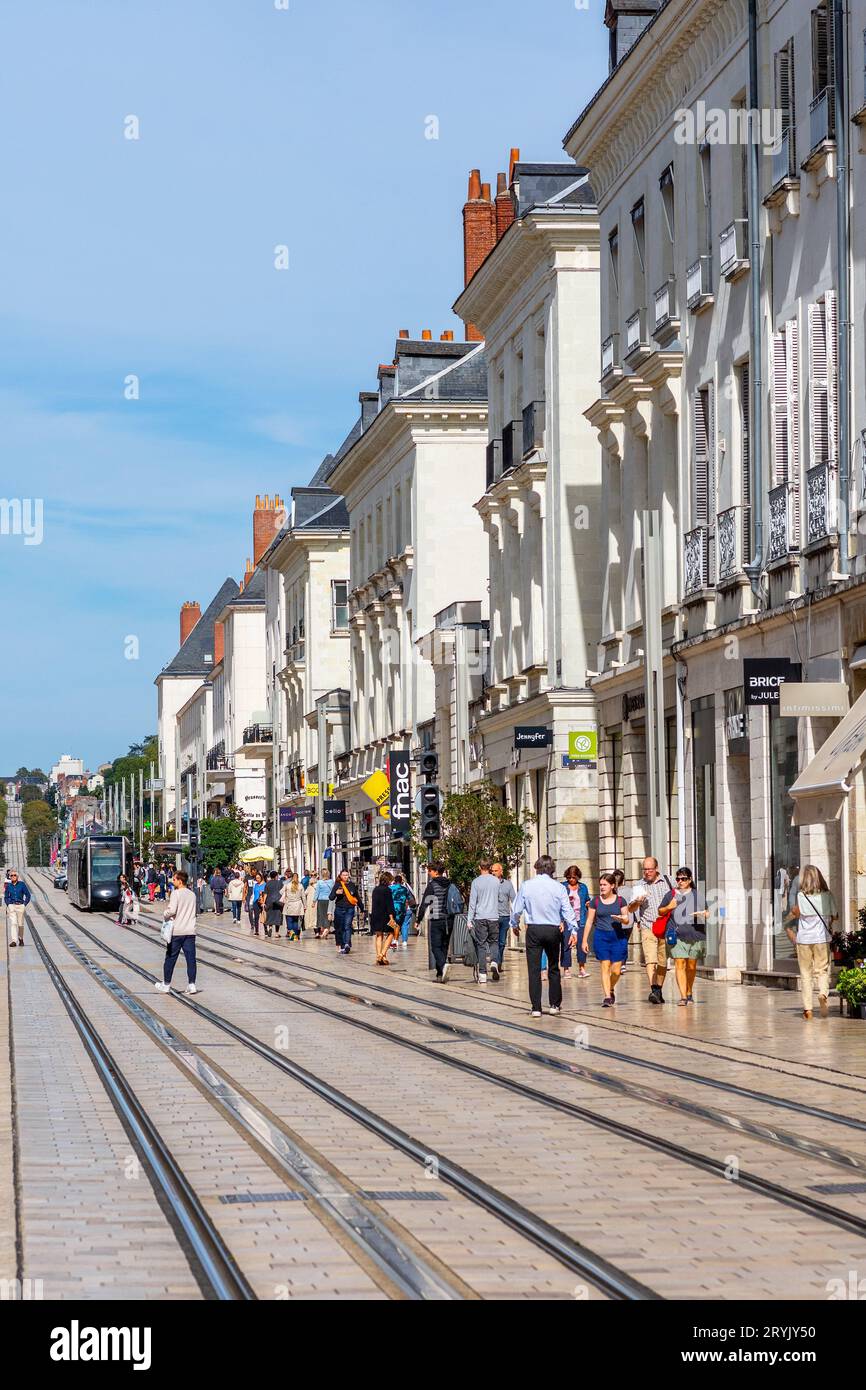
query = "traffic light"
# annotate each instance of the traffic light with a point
(429, 765)
(431, 827)
(193, 832)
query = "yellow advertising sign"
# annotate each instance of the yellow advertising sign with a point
(378, 788)
(312, 789)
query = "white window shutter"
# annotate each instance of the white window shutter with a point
(780, 408)
(818, 404)
(792, 329)
(711, 454)
(700, 448)
(831, 323)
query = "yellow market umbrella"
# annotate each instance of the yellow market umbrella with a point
(257, 854)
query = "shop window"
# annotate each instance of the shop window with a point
(784, 770)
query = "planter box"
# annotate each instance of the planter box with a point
(852, 1010)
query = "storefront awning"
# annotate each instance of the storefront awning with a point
(819, 792)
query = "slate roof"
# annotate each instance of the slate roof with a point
(551, 185)
(463, 379)
(190, 659)
(255, 591)
(319, 507)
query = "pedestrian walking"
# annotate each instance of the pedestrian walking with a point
(548, 912)
(441, 899)
(255, 889)
(619, 882)
(162, 881)
(181, 913)
(272, 903)
(344, 895)
(235, 894)
(814, 912)
(578, 894)
(609, 922)
(129, 907)
(295, 907)
(152, 882)
(16, 896)
(123, 889)
(688, 916)
(645, 898)
(322, 899)
(506, 898)
(405, 906)
(483, 919)
(218, 886)
(382, 921)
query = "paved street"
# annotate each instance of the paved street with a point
(718, 1152)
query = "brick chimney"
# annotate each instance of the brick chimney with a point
(189, 615)
(479, 234)
(267, 518)
(219, 643)
(504, 206)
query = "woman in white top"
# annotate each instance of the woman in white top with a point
(815, 913)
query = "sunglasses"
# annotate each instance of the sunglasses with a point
(683, 878)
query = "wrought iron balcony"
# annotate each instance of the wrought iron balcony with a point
(533, 427)
(783, 159)
(610, 363)
(731, 541)
(699, 283)
(822, 120)
(734, 250)
(512, 441)
(258, 733)
(821, 500)
(216, 755)
(494, 461)
(665, 302)
(636, 335)
(782, 540)
(697, 559)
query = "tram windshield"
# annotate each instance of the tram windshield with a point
(105, 863)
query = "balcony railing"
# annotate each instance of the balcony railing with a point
(821, 498)
(216, 756)
(822, 120)
(610, 362)
(511, 444)
(733, 249)
(783, 159)
(295, 650)
(699, 283)
(494, 461)
(782, 539)
(698, 559)
(259, 733)
(635, 334)
(533, 427)
(731, 541)
(665, 301)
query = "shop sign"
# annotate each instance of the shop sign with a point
(823, 699)
(763, 678)
(736, 724)
(334, 812)
(632, 704)
(573, 764)
(400, 779)
(531, 736)
(583, 746)
(312, 789)
(377, 787)
(289, 814)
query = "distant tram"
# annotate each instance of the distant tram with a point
(93, 870)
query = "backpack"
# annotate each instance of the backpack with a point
(453, 900)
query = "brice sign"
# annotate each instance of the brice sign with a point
(763, 678)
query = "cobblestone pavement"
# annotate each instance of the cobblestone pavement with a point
(676, 1228)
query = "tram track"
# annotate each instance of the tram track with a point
(610, 1280)
(753, 1182)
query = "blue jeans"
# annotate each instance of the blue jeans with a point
(172, 951)
(503, 936)
(343, 918)
(236, 911)
(408, 918)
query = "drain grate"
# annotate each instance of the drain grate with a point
(234, 1197)
(840, 1189)
(405, 1196)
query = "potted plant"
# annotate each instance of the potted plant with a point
(851, 987)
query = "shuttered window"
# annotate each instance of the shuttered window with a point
(746, 458)
(822, 50)
(819, 405)
(704, 469)
(792, 333)
(784, 85)
(779, 408)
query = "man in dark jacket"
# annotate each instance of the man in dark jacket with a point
(218, 887)
(435, 900)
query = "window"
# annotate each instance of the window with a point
(786, 415)
(613, 280)
(822, 381)
(823, 67)
(638, 223)
(666, 188)
(784, 88)
(705, 201)
(339, 605)
(740, 156)
(704, 471)
(744, 404)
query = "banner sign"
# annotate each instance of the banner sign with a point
(400, 778)
(823, 699)
(377, 788)
(763, 678)
(736, 727)
(289, 814)
(583, 745)
(532, 736)
(334, 812)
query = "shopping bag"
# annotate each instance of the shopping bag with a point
(461, 944)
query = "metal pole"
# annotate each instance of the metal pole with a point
(840, 60)
(141, 812)
(756, 352)
(132, 805)
(656, 784)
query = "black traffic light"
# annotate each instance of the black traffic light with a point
(431, 827)
(429, 765)
(193, 832)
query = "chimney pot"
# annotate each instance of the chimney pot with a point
(474, 185)
(485, 192)
(426, 335)
(515, 159)
(404, 333)
(447, 336)
(189, 615)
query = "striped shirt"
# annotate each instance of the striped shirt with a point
(649, 908)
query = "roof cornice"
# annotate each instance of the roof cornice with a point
(399, 417)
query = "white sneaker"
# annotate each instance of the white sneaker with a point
(191, 989)
(404, 945)
(482, 979)
(494, 970)
(554, 1009)
(162, 989)
(536, 1013)
(446, 967)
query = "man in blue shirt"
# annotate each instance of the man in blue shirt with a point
(16, 896)
(546, 906)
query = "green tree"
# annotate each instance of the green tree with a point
(476, 826)
(223, 838)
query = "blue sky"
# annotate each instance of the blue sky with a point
(257, 127)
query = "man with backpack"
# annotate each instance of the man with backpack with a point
(645, 898)
(484, 921)
(442, 898)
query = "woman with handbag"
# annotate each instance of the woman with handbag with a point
(815, 912)
(606, 912)
(344, 896)
(686, 932)
(295, 907)
(382, 923)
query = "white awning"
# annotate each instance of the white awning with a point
(819, 792)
